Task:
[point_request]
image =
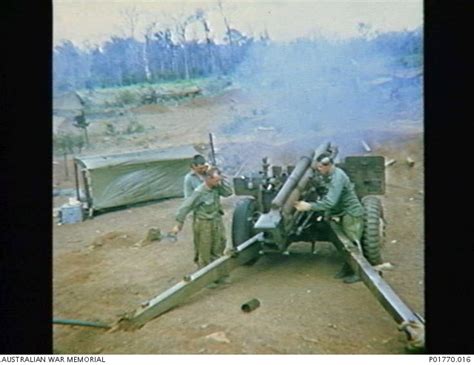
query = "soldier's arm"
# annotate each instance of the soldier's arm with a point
(188, 187)
(332, 196)
(224, 188)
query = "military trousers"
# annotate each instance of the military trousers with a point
(353, 227)
(209, 240)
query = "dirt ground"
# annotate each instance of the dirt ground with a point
(99, 273)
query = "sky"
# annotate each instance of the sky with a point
(94, 21)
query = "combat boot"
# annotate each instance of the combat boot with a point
(344, 271)
(354, 278)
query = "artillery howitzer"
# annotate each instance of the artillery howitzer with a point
(269, 205)
(265, 221)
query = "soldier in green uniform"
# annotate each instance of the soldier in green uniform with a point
(341, 201)
(208, 226)
(192, 180)
(195, 177)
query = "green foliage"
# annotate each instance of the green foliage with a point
(136, 89)
(68, 143)
(134, 127)
(110, 129)
(149, 96)
(125, 97)
(61, 143)
(121, 139)
(78, 142)
(80, 121)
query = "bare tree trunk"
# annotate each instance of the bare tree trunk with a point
(66, 170)
(146, 62)
(186, 61)
(146, 47)
(173, 67)
(182, 34)
(86, 136)
(229, 33)
(208, 46)
(181, 31)
(131, 16)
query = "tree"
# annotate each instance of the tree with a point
(80, 122)
(70, 67)
(146, 47)
(164, 54)
(64, 144)
(201, 16)
(131, 17)
(160, 52)
(227, 27)
(180, 27)
(123, 55)
(101, 72)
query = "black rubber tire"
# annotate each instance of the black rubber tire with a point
(373, 235)
(242, 223)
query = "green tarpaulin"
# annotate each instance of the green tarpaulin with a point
(134, 177)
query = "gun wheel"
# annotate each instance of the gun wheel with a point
(374, 230)
(243, 221)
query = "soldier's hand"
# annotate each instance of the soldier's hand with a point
(176, 229)
(302, 206)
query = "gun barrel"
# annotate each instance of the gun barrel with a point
(297, 181)
(296, 193)
(291, 182)
(322, 148)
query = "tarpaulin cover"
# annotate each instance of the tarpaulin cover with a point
(121, 179)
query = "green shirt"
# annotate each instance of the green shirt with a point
(204, 202)
(191, 181)
(340, 198)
